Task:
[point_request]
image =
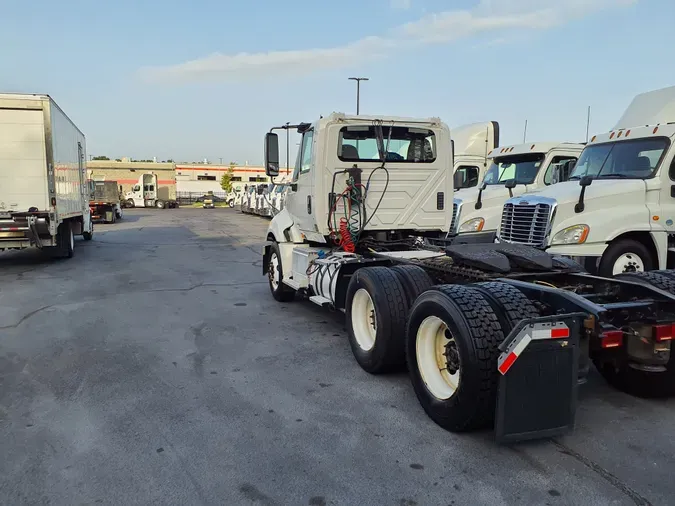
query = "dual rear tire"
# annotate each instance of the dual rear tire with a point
(447, 335)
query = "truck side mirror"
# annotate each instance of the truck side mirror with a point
(510, 185)
(271, 154)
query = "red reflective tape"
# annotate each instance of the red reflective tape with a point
(508, 362)
(560, 333)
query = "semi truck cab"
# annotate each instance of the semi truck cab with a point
(513, 170)
(616, 213)
(472, 143)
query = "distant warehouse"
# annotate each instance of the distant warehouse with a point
(127, 173)
(202, 178)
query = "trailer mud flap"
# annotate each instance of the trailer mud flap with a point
(538, 368)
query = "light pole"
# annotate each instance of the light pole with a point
(358, 91)
(287, 148)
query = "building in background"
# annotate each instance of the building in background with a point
(127, 173)
(202, 178)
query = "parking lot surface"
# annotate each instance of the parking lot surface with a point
(154, 367)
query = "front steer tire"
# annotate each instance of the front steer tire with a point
(280, 291)
(477, 334)
(376, 309)
(632, 250)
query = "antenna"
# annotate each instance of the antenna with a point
(588, 122)
(525, 132)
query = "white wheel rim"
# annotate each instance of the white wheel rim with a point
(274, 271)
(430, 348)
(364, 319)
(628, 262)
(72, 240)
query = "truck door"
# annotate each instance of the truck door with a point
(299, 199)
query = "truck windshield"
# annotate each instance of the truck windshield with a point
(634, 159)
(522, 168)
(359, 143)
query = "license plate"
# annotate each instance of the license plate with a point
(5, 216)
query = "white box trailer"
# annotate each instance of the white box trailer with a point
(44, 197)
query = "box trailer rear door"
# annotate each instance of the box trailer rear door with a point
(23, 163)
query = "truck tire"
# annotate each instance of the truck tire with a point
(88, 236)
(414, 279)
(159, 204)
(625, 255)
(509, 304)
(654, 278)
(452, 345)
(567, 263)
(230, 204)
(65, 242)
(645, 384)
(376, 310)
(280, 291)
(130, 203)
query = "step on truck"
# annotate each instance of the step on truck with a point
(44, 194)
(493, 335)
(616, 213)
(148, 192)
(513, 170)
(104, 201)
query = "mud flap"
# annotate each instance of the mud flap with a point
(538, 366)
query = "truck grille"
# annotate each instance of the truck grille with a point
(525, 223)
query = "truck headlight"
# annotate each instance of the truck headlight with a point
(576, 234)
(472, 225)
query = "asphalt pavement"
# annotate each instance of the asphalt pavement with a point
(155, 367)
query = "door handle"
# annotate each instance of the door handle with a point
(309, 204)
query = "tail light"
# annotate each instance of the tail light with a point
(663, 333)
(611, 339)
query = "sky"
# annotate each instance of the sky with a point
(206, 79)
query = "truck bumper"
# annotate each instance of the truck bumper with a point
(474, 238)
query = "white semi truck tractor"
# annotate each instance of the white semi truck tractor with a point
(616, 213)
(513, 170)
(44, 192)
(493, 335)
(149, 192)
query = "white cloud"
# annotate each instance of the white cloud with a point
(283, 62)
(400, 4)
(489, 17)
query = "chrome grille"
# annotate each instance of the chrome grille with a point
(525, 223)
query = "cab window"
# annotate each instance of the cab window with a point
(304, 161)
(556, 159)
(466, 176)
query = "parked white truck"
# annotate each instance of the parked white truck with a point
(44, 193)
(471, 146)
(616, 213)
(148, 192)
(492, 334)
(514, 170)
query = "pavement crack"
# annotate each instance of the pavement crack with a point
(638, 499)
(25, 317)
(156, 290)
